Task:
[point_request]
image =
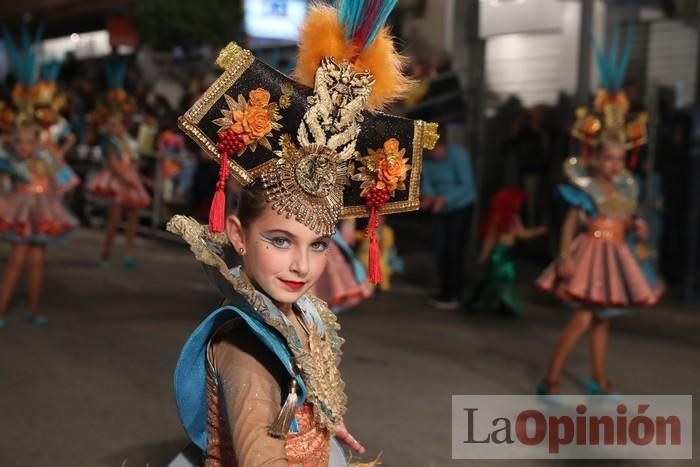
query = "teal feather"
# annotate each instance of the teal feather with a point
(13, 52)
(25, 72)
(625, 59)
(363, 19)
(383, 15)
(602, 61)
(612, 57)
(612, 66)
(24, 59)
(50, 70)
(115, 68)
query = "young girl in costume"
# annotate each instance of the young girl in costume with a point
(599, 273)
(257, 383)
(344, 282)
(501, 229)
(31, 217)
(31, 213)
(119, 182)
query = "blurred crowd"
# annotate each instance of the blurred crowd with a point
(523, 146)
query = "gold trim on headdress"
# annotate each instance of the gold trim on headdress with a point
(322, 146)
(610, 123)
(319, 146)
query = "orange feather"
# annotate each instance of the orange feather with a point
(321, 36)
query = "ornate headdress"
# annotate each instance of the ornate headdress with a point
(610, 121)
(319, 144)
(35, 97)
(116, 100)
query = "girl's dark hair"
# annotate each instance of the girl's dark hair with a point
(251, 203)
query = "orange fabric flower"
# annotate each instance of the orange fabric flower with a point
(391, 146)
(252, 123)
(391, 171)
(259, 97)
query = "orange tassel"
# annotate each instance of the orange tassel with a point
(374, 260)
(217, 212)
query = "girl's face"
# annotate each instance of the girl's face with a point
(611, 160)
(281, 256)
(115, 126)
(24, 142)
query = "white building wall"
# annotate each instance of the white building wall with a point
(672, 57)
(525, 65)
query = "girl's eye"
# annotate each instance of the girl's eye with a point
(319, 246)
(280, 242)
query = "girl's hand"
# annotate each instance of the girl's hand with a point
(641, 229)
(342, 434)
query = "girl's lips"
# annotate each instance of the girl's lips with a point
(292, 285)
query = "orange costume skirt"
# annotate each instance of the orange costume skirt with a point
(34, 213)
(603, 272)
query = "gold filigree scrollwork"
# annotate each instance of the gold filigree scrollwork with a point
(308, 180)
(307, 184)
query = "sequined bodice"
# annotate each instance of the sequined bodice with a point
(619, 202)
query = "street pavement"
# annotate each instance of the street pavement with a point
(94, 388)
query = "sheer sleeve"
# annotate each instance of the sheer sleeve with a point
(248, 373)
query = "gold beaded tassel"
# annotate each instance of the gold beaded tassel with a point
(280, 426)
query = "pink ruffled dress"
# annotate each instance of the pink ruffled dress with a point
(119, 181)
(31, 210)
(611, 272)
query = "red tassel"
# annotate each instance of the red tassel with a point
(374, 260)
(585, 151)
(217, 212)
(634, 158)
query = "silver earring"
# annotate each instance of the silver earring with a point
(241, 251)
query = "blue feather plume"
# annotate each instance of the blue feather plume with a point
(115, 68)
(363, 19)
(24, 60)
(612, 65)
(50, 70)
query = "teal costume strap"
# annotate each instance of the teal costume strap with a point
(191, 370)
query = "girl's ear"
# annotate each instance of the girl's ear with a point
(235, 233)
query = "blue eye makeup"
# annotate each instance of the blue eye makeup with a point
(283, 242)
(277, 241)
